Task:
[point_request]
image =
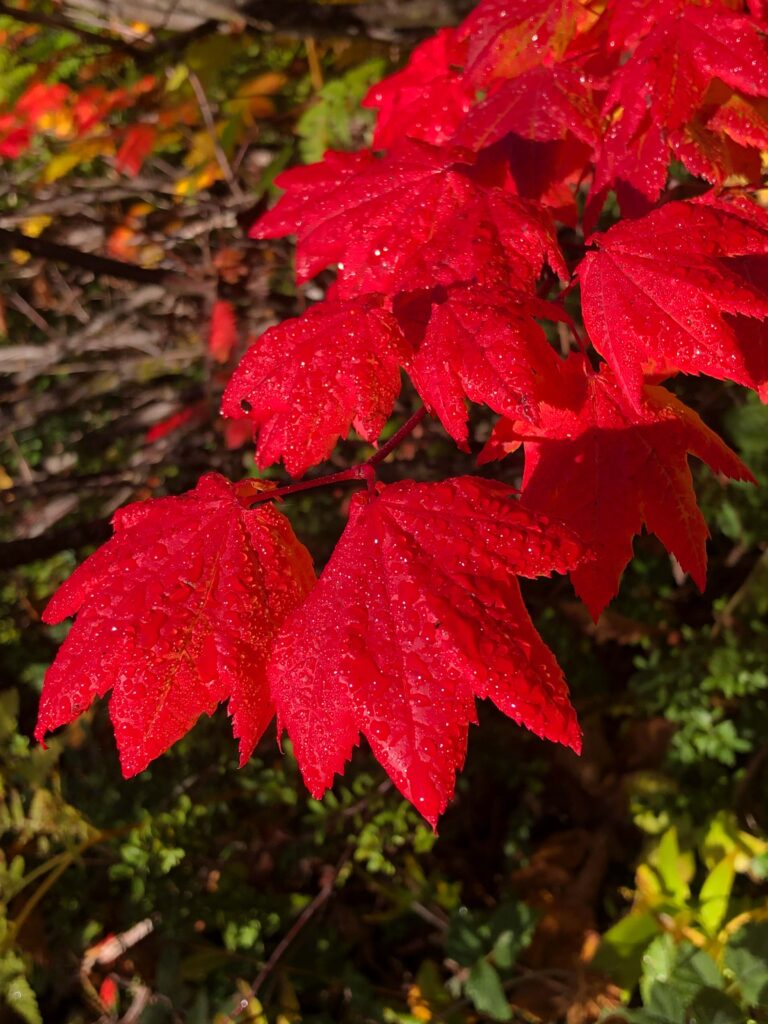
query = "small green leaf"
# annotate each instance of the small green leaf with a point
(675, 867)
(512, 927)
(16, 991)
(484, 988)
(673, 975)
(621, 950)
(711, 1006)
(464, 943)
(747, 956)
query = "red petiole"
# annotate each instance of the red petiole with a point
(363, 471)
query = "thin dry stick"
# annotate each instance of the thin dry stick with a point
(58, 22)
(221, 156)
(313, 60)
(322, 896)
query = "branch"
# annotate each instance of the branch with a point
(362, 471)
(400, 435)
(10, 238)
(56, 21)
(320, 898)
(31, 549)
(296, 19)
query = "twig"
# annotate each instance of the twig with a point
(20, 303)
(400, 435)
(313, 60)
(31, 549)
(210, 124)
(287, 19)
(55, 21)
(10, 238)
(24, 468)
(319, 900)
(363, 471)
(724, 617)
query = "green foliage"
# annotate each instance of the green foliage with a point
(692, 950)
(333, 117)
(487, 946)
(739, 511)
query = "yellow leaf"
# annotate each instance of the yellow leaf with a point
(33, 227)
(177, 78)
(76, 154)
(417, 1004)
(200, 180)
(715, 894)
(57, 122)
(201, 151)
(263, 85)
(250, 101)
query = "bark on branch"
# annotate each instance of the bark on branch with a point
(10, 238)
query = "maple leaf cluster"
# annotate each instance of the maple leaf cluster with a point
(498, 138)
(61, 112)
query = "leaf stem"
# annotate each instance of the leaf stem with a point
(354, 473)
(362, 471)
(400, 435)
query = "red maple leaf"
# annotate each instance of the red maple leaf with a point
(479, 344)
(506, 37)
(417, 613)
(306, 381)
(197, 412)
(632, 20)
(542, 104)
(14, 137)
(41, 99)
(222, 334)
(677, 288)
(655, 94)
(744, 121)
(427, 99)
(175, 614)
(136, 146)
(419, 216)
(606, 469)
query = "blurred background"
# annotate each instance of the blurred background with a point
(138, 141)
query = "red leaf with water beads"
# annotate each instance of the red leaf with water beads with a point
(507, 37)
(681, 289)
(418, 613)
(653, 97)
(427, 99)
(176, 613)
(478, 344)
(306, 381)
(419, 216)
(606, 469)
(542, 105)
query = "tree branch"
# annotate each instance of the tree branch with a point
(10, 238)
(31, 549)
(56, 21)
